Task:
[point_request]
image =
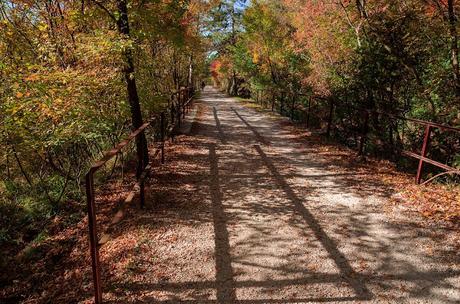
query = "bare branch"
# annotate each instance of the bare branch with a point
(101, 6)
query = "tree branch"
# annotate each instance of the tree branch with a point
(101, 6)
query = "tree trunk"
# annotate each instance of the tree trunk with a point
(233, 88)
(454, 45)
(330, 118)
(175, 73)
(282, 104)
(293, 106)
(190, 72)
(8, 171)
(23, 171)
(133, 97)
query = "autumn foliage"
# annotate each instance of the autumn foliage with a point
(67, 70)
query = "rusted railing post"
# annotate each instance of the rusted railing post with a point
(143, 161)
(423, 154)
(93, 241)
(162, 136)
(143, 168)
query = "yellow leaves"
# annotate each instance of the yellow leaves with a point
(3, 24)
(255, 57)
(19, 94)
(43, 27)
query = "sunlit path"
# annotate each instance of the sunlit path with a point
(229, 151)
(259, 217)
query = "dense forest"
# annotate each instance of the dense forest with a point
(77, 76)
(345, 59)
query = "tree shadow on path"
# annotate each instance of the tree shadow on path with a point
(232, 173)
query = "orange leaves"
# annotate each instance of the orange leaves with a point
(32, 77)
(434, 201)
(322, 30)
(20, 93)
(215, 70)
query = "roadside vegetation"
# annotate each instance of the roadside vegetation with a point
(344, 62)
(77, 76)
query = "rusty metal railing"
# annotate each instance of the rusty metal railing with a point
(429, 126)
(422, 156)
(180, 103)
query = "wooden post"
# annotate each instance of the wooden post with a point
(423, 154)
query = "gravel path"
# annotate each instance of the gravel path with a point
(246, 211)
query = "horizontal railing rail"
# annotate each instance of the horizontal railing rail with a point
(428, 125)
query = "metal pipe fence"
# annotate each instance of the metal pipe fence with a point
(179, 104)
(362, 117)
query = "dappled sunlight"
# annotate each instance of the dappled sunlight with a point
(229, 151)
(241, 215)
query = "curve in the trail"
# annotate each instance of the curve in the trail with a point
(246, 211)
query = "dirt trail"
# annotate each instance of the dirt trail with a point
(245, 211)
